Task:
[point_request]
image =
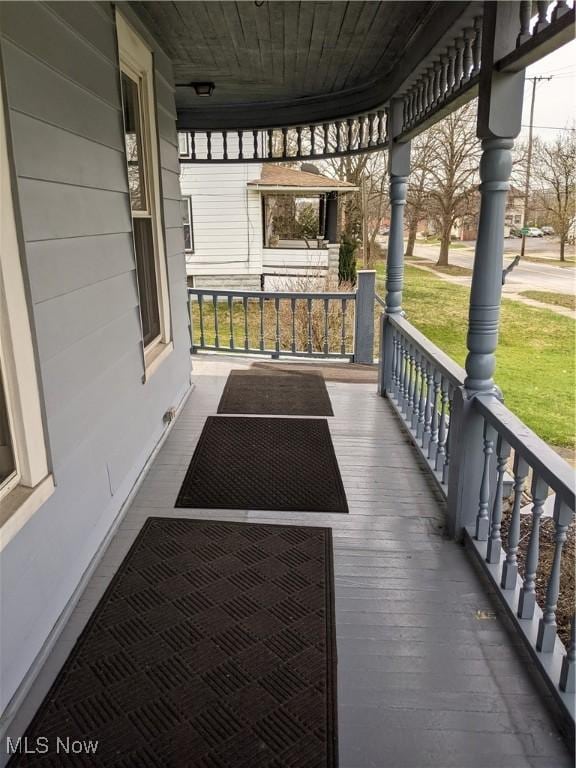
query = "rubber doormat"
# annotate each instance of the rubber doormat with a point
(214, 645)
(264, 463)
(276, 394)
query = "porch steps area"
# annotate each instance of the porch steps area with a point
(428, 674)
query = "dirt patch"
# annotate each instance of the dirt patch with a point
(565, 609)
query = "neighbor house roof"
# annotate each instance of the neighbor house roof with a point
(279, 177)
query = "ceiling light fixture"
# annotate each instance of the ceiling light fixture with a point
(202, 89)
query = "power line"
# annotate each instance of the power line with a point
(548, 127)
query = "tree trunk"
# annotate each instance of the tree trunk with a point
(562, 248)
(412, 230)
(444, 248)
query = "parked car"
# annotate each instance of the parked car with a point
(534, 232)
(515, 232)
(548, 230)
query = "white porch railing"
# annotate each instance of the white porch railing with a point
(421, 383)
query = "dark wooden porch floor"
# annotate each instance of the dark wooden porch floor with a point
(428, 675)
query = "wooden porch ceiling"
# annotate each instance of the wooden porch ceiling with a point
(277, 63)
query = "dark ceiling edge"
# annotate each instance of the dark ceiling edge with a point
(319, 109)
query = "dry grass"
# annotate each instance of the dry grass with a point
(319, 330)
(557, 299)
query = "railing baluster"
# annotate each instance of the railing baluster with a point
(396, 366)
(312, 140)
(326, 307)
(261, 307)
(293, 309)
(510, 567)
(299, 140)
(410, 389)
(422, 402)
(193, 145)
(246, 339)
(270, 143)
(428, 406)
(542, 21)
(494, 549)
(201, 315)
(442, 431)
(309, 305)
(524, 11)
(231, 314)
(482, 518)
(527, 601)
(216, 336)
(277, 310)
(448, 419)
(326, 129)
(568, 672)
(477, 46)
(547, 626)
(240, 145)
(209, 145)
(225, 144)
(415, 396)
(284, 142)
(343, 328)
(433, 444)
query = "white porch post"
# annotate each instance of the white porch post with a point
(398, 168)
(499, 118)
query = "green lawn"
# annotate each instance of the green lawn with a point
(535, 358)
(558, 299)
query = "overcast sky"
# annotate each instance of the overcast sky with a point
(555, 100)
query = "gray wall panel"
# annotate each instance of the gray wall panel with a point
(102, 420)
(69, 318)
(57, 267)
(40, 91)
(37, 30)
(46, 152)
(51, 210)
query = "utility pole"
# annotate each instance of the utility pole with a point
(529, 160)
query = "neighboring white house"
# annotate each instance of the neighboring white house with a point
(244, 222)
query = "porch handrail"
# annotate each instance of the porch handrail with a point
(223, 293)
(548, 465)
(442, 362)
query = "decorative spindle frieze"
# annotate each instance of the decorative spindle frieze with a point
(542, 22)
(524, 12)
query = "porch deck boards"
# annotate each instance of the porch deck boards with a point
(427, 673)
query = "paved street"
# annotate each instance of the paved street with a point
(526, 276)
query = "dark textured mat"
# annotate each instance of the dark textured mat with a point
(213, 647)
(262, 463)
(276, 394)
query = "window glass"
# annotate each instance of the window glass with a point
(133, 139)
(7, 461)
(187, 224)
(293, 221)
(147, 284)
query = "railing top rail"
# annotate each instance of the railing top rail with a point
(547, 464)
(339, 295)
(380, 300)
(447, 367)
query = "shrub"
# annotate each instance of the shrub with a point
(347, 260)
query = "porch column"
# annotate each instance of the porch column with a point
(398, 168)
(499, 118)
(332, 217)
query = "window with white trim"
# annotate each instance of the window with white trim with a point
(187, 224)
(25, 481)
(141, 145)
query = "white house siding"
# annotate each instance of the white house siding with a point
(59, 66)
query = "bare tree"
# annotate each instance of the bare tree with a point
(451, 172)
(418, 182)
(555, 181)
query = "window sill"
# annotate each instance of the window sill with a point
(153, 358)
(18, 506)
